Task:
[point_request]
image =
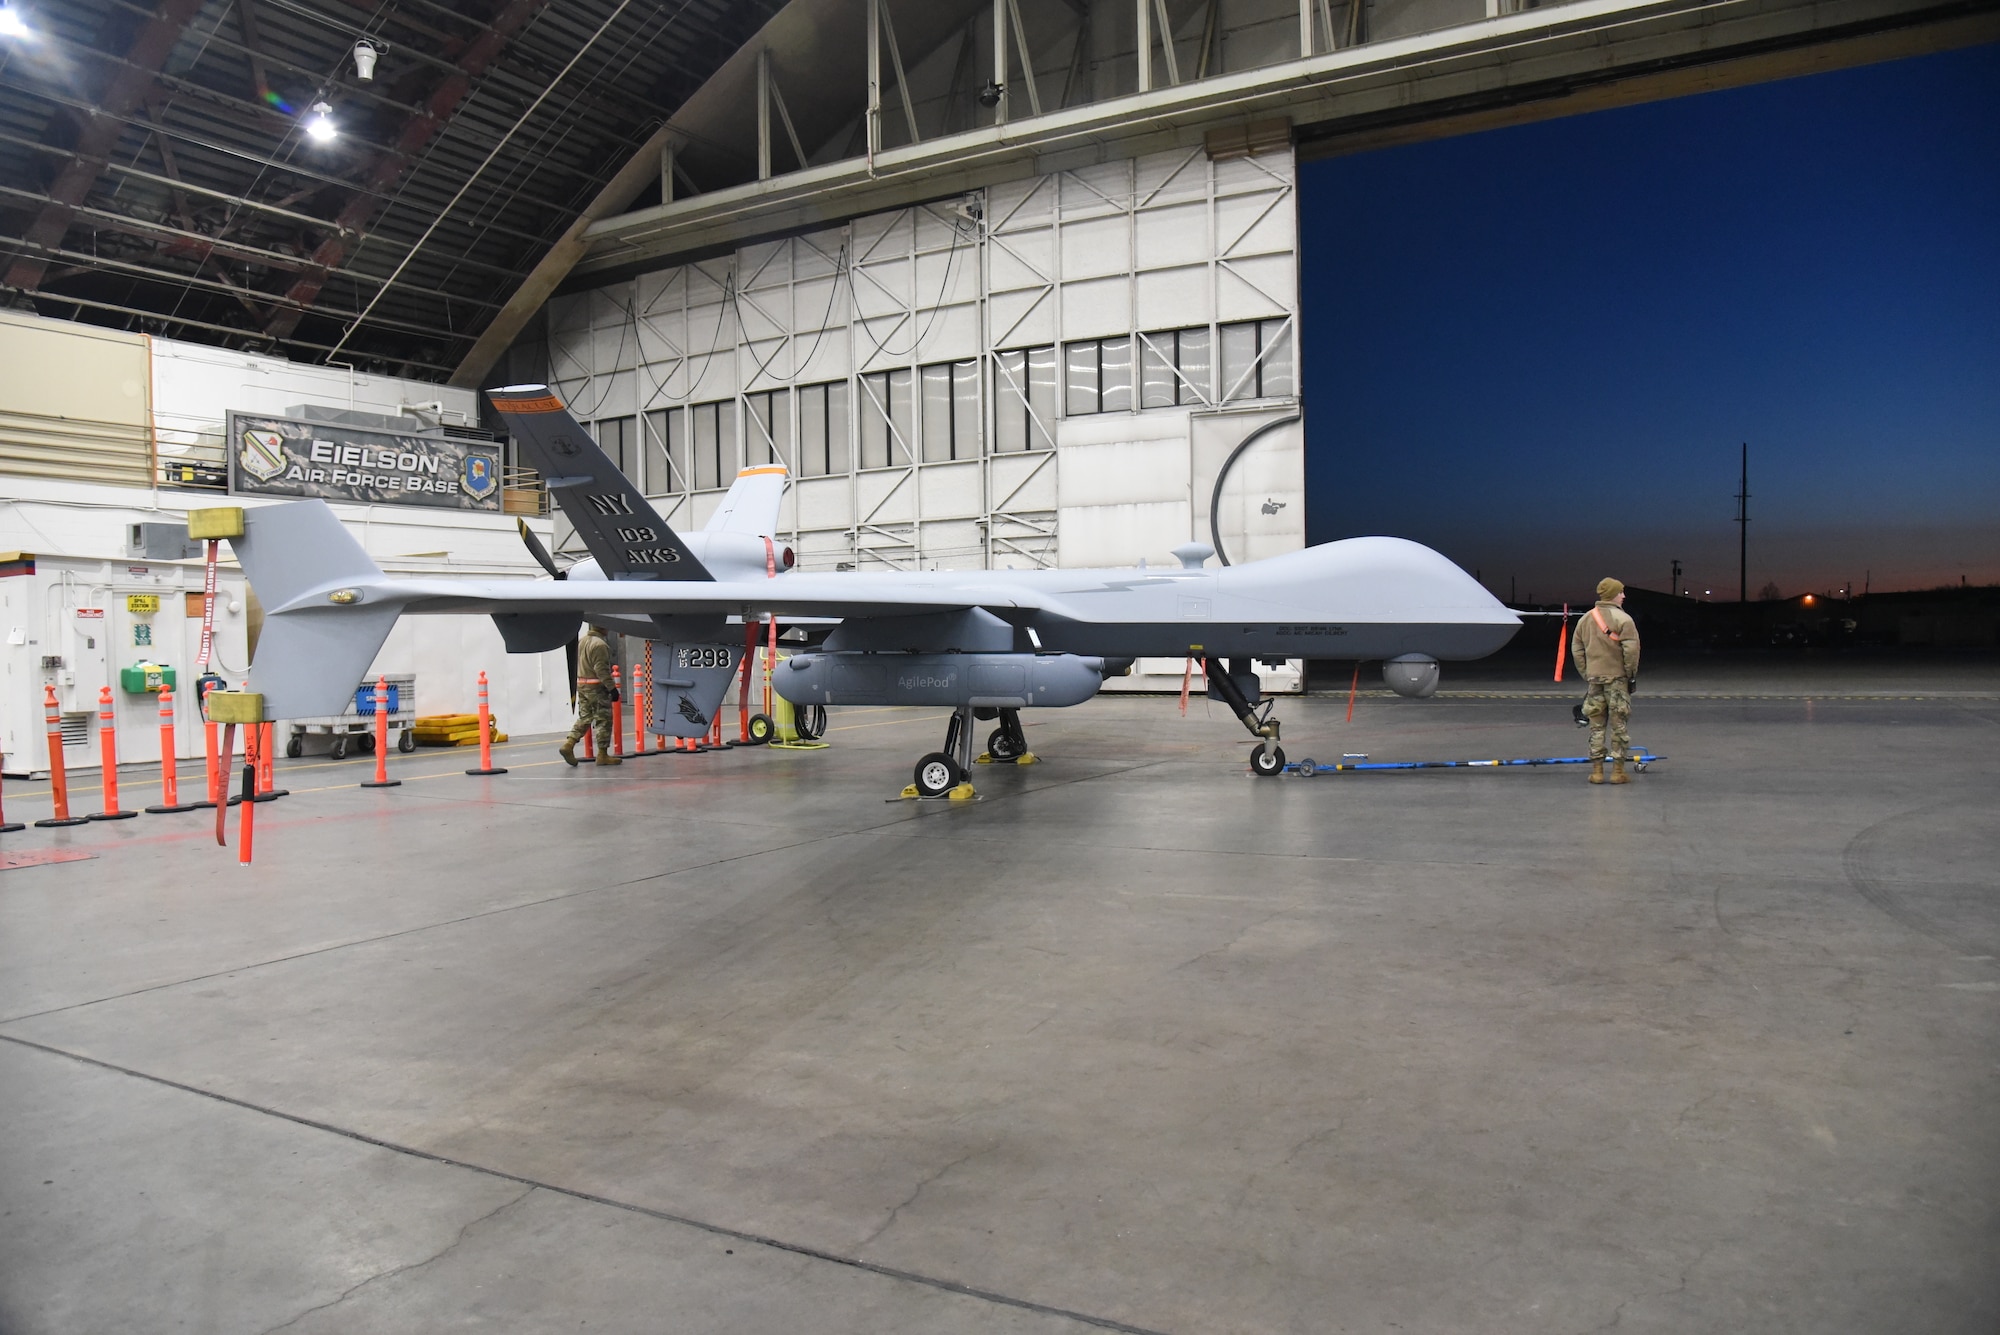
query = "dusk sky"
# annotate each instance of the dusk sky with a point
(1538, 349)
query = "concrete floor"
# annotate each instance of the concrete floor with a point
(1138, 1042)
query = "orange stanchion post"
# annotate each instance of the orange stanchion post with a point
(170, 779)
(617, 714)
(7, 826)
(743, 682)
(215, 779)
(107, 740)
(485, 734)
(770, 663)
(1353, 689)
(246, 822)
(1562, 641)
(267, 766)
(642, 681)
(381, 779)
(58, 780)
(652, 689)
(222, 807)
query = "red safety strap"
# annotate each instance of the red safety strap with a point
(207, 648)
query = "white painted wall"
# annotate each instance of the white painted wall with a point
(78, 533)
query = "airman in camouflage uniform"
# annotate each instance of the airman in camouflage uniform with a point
(1605, 649)
(593, 697)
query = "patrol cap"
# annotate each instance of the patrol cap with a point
(1608, 588)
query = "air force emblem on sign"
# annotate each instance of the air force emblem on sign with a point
(263, 454)
(478, 478)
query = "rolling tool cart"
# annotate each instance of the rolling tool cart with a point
(355, 726)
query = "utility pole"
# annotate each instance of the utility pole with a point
(1674, 580)
(1743, 530)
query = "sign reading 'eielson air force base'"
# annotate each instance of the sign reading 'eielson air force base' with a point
(276, 456)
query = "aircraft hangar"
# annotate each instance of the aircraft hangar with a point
(1271, 381)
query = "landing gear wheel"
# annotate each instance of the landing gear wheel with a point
(339, 748)
(1002, 746)
(938, 774)
(1268, 760)
(407, 742)
(295, 746)
(367, 743)
(762, 729)
(810, 721)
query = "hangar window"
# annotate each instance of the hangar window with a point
(767, 428)
(664, 446)
(617, 439)
(1024, 399)
(823, 429)
(888, 419)
(1173, 367)
(951, 410)
(1257, 360)
(1097, 376)
(712, 438)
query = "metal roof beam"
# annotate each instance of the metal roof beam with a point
(232, 331)
(180, 243)
(98, 263)
(127, 91)
(189, 137)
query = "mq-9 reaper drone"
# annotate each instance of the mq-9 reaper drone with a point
(984, 643)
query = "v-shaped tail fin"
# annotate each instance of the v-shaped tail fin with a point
(616, 522)
(751, 507)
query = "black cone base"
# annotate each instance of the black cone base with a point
(111, 815)
(486, 771)
(55, 821)
(383, 783)
(11, 826)
(178, 806)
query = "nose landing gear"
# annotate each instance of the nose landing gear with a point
(1268, 758)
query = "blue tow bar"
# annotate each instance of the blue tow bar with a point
(1358, 762)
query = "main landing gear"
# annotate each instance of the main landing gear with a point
(948, 773)
(1006, 744)
(1267, 758)
(944, 773)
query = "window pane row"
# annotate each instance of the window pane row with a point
(1176, 368)
(935, 412)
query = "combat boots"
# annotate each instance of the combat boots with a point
(1597, 770)
(619, 760)
(568, 752)
(1618, 774)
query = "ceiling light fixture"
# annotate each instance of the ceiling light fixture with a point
(364, 61)
(319, 124)
(11, 22)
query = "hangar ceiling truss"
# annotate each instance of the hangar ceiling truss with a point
(155, 173)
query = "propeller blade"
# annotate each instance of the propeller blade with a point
(539, 552)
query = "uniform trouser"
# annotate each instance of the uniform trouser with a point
(593, 709)
(1607, 706)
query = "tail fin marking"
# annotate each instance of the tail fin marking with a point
(616, 522)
